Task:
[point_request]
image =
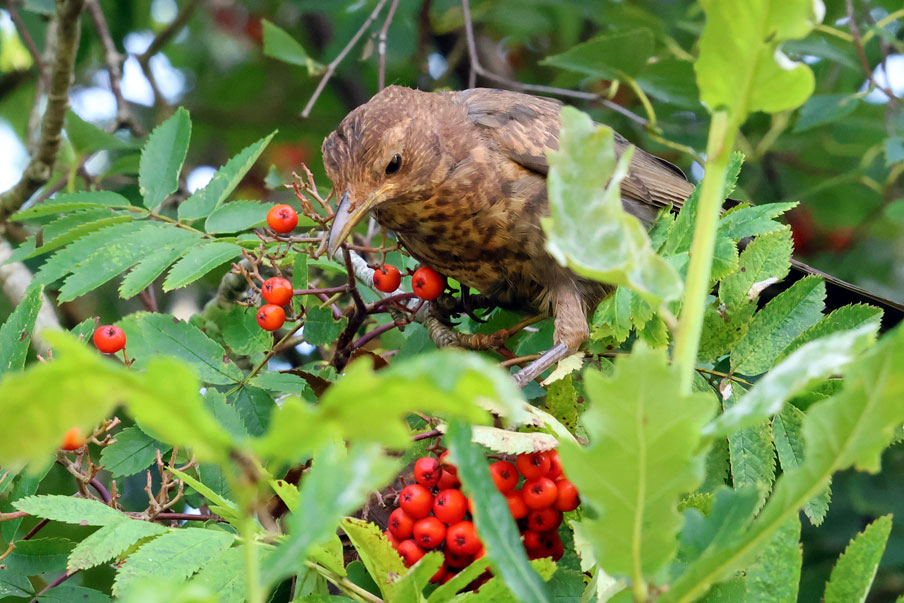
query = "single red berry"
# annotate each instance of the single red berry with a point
(533, 465)
(271, 317)
(109, 339)
(387, 278)
(277, 291)
(504, 475)
(539, 493)
(392, 539)
(282, 218)
(400, 524)
(550, 545)
(73, 439)
(450, 506)
(543, 520)
(456, 560)
(448, 480)
(427, 471)
(410, 552)
(531, 539)
(429, 532)
(567, 498)
(516, 504)
(440, 574)
(416, 501)
(427, 283)
(461, 538)
(555, 465)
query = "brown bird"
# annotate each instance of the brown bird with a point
(460, 178)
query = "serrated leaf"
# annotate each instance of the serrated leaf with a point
(509, 442)
(225, 414)
(16, 332)
(588, 229)
(612, 318)
(562, 402)
(612, 56)
(495, 526)
(282, 46)
(198, 262)
(255, 406)
(751, 453)
(378, 555)
(111, 541)
(225, 576)
(39, 555)
(67, 202)
(750, 221)
(150, 335)
(237, 216)
(203, 202)
(174, 556)
(133, 451)
(789, 442)
(785, 317)
(152, 266)
(644, 455)
(86, 138)
(242, 334)
(856, 568)
(77, 224)
(70, 510)
(767, 257)
(339, 482)
(723, 328)
(320, 328)
(845, 318)
(65, 260)
(229, 510)
(24, 484)
(162, 158)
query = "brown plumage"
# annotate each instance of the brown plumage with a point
(460, 178)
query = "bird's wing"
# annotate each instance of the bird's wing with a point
(526, 127)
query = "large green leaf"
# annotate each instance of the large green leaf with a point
(133, 451)
(16, 332)
(67, 202)
(110, 542)
(588, 229)
(76, 224)
(198, 262)
(612, 56)
(153, 265)
(775, 576)
(162, 158)
(282, 46)
(70, 510)
(856, 568)
(225, 576)
(750, 221)
(382, 561)
(644, 454)
(494, 522)
(765, 260)
(65, 260)
(237, 216)
(846, 318)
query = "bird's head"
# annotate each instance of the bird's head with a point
(387, 151)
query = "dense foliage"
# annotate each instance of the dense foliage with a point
(219, 461)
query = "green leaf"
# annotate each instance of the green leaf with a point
(15, 334)
(789, 442)
(67, 202)
(730, 514)
(279, 45)
(153, 265)
(255, 406)
(379, 557)
(821, 109)
(750, 221)
(814, 360)
(152, 334)
(894, 150)
(447, 590)
(723, 328)
(409, 586)
(110, 542)
(22, 485)
(68, 594)
(174, 556)
(65, 260)
(237, 216)
(133, 451)
(203, 202)
(588, 229)
(766, 259)
(562, 402)
(495, 525)
(845, 318)
(644, 454)
(70, 510)
(339, 482)
(198, 262)
(86, 138)
(227, 509)
(785, 317)
(39, 556)
(242, 334)
(226, 414)
(856, 568)
(77, 224)
(14, 584)
(225, 576)
(320, 328)
(162, 158)
(671, 81)
(612, 318)
(740, 67)
(615, 56)
(751, 454)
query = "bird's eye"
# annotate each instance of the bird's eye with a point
(394, 164)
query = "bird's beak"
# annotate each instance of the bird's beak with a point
(346, 219)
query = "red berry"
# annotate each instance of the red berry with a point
(277, 291)
(429, 532)
(450, 506)
(533, 465)
(427, 471)
(416, 501)
(449, 575)
(387, 278)
(427, 283)
(516, 504)
(73, 439)
(461, 538)
(550, 545)
(543, 520)
(555, 464)
(448, 480)
(539, 493)
(392, 539)
(504, 475)
(282, 218)
(109, 339)
(531, 539)
(440, 574)
(567, 498)
(410, 552)
(456, 560)
(400, 524)
(271, 317)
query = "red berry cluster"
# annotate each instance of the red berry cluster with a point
(434, 514)
(277, 292)
(426, 282)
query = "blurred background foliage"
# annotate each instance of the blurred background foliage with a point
(841, 155)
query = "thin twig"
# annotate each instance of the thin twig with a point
(381, 43)
(161, 40)
(861, 53)
(27, 39)
(13, 515)
(331, 68)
